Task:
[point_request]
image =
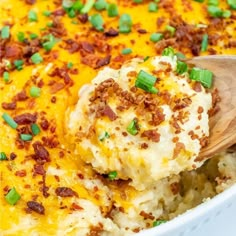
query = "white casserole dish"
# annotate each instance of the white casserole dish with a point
(216, 217)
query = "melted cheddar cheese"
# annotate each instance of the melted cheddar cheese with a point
(96, 196)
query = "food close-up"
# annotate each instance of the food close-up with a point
(105, 117)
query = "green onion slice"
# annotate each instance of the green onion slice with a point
(182, 67)
(5, 32)
(18, 64)
(26, 137)
(36, 58)
(112, 175)
(35, 129)
(32, 16)
(35, 92)
(6, 76)
(152, 7)
(112, 10)
(155, 37)
(158, 222)
(125, 23)
(126, 51)
(104, 136)
(12, 196)
(204, 44)
(97, 21)
(88, 6)
(232, 4)
(205, 77)
(3, 156)
(133, 127)
(146, 82)
(9, 120)
(100, 5)
(169, 51)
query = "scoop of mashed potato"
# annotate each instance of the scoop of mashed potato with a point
(141, 135)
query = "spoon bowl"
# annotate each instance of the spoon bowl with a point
(223, 123)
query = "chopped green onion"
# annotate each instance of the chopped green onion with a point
(97, 21)
(36, 58)
(77, 6)
(138, 1)
(6, 76)
(146, 58)
(49, 24)
(213, 2)
(155, 37)
(202, 75)
(103, 136)
(226, 13)
(100, 5)
(69, 65)
(232, 4)
(87, 7)
(112, 175)
(26, 137)
(35, 92)
(158, 222)
(50, 43)
(204, 43)
(152, 7)
(35, 129)
(182, 67)
(132, 127)
(180, 55)
(112, 10)
(33, 36)
(47, 13)
(67, 3)
(171, 29)
(32, 16)
(199, 0)
(12, 196)
(3, 156)
(146, 82)
(9, 121)
(18, 64)
(125, 23)
(215, 11)
(5, 32)
(21, 37)
(169, 51)
(71, 13)
(126, 51)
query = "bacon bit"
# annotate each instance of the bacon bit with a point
(215, 100)
(21, 96)
(200, 110)
(158, 117)
(107, 111)
(9, 106)
(175, 188)
(178, 148)
(87, 47)
(151, 135)
(142, 31)
(103, 61)
(13, 51)
(53, 99)
(39, 169)
(144, 145)
(111, 33)
(59, 12)
(204, 141)
(12, 156)
(76, 207)
(56, 87)
(65, 192)
(96, 230)
(25, 119)
(147, 215)
(36, 207)
(41, 153)
(30, 2)
(44, 124)
(20, 173)
(83, 18)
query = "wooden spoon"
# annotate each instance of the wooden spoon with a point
(223, 124)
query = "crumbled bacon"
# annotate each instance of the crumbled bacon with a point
(30, 2)
(36, 207)
(20, 173)
(146, 215)
(83, 18)
(152, 135)
(111, 33)
(178, 148)
(25, 119)
(9, 106)
(21, 96)
(107, 111)
(65, 192)
(40, 152)
(39, 169)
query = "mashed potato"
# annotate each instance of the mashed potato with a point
(171, 124)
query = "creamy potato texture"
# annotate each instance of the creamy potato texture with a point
(168, 149)
(59, 192)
